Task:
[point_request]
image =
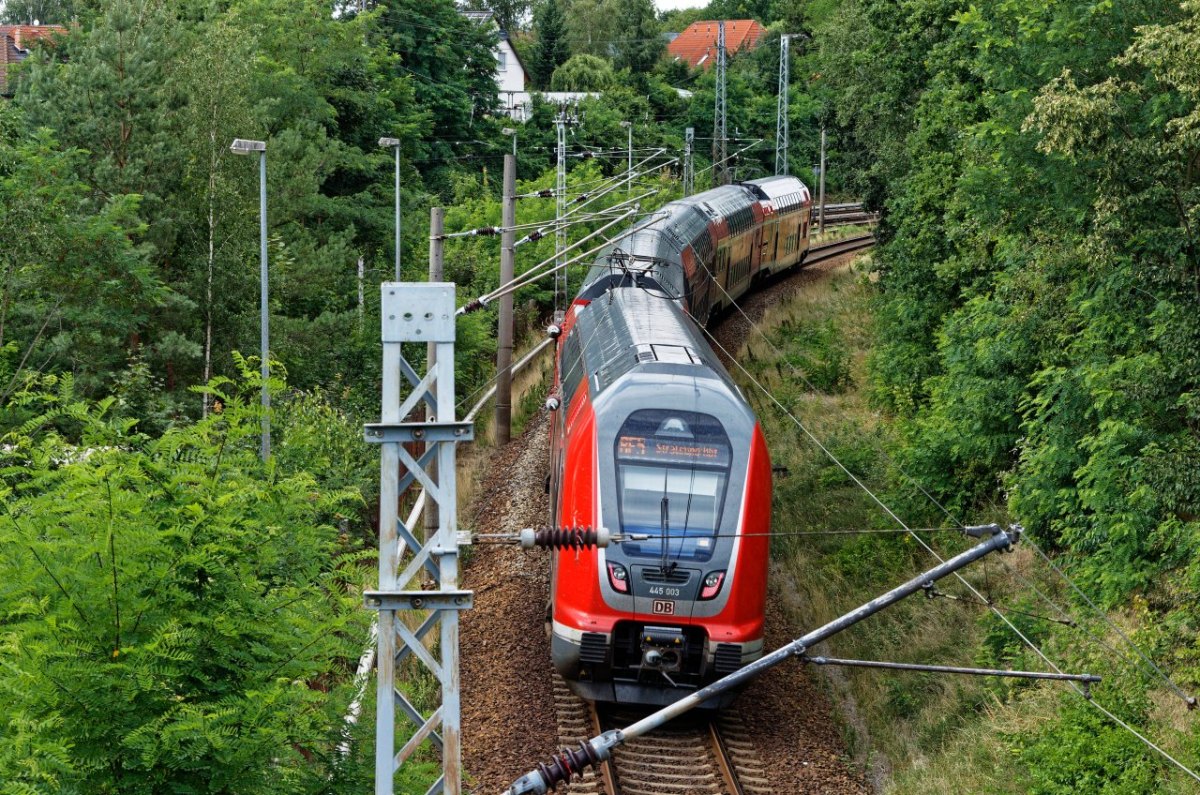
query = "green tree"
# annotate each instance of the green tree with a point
(583, 73)
(75, 292)
(177, 616)
(640, 44)
(591, 27)
(45, 12)
(550, 51)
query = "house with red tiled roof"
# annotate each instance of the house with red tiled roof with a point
(697, 45)
(15, 41)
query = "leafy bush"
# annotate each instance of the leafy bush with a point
(1082, 751)
(175, 613)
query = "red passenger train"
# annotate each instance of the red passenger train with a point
(652, 439)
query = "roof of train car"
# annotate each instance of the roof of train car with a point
(632, 326)
(678, 224)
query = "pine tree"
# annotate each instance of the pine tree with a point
(551, 51)
(641, 42)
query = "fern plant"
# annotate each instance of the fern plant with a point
(175, 615)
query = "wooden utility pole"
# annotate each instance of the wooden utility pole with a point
(504, 336)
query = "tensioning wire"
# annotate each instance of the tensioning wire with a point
(1033, 646)
(1170, 683)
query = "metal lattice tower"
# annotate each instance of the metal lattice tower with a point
(689, 165)
(720, 120)
(561, 296)
(418, 312)
(781, 113)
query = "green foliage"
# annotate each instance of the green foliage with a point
(639, 46)
(1084, 752)
(550, 52)
(177, 616)
(590, 26)
(820, 353)
(76, 291)
(583, 73)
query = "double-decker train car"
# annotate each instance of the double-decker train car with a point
(653, 440)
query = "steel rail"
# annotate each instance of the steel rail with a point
(837, 247)
(600, 748)
(725, 762)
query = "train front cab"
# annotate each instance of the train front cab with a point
(651, 619)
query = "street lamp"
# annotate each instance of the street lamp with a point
(513, 133)
(394, 143)
(628, 125)
(242, 146)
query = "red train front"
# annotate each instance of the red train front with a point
(653, 440)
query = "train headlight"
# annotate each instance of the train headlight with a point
(618, 578)
(712, 584)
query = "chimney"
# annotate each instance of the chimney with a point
(16, 36)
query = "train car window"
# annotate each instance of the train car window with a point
(672, 470)
(572, 367)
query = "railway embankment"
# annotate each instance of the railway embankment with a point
(834, 547)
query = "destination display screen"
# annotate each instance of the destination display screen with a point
(672, 451)
(672, 470)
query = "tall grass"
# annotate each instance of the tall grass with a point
(911, 732)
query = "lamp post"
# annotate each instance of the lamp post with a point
(242, 146)
(513, 133)
(394, 143)
(628, 125)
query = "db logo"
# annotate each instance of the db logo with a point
(663, 608)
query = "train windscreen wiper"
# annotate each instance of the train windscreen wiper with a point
(664, 534)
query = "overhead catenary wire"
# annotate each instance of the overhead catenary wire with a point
(1024, 639)
(1189, 699)
(491, 231)
(731, 156)
(1067, 619)
(614, 182)
(540, 270)
(568, 220)
(522, 281)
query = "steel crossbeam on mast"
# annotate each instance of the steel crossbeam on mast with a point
(418, 313)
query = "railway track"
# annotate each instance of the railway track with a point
(700, 755)
(837, 248)
(845, 214)
(800, 755)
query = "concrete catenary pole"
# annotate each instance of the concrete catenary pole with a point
(689, 167)
(504, 336)
(437, 225)
(264, 306)
(821, 189)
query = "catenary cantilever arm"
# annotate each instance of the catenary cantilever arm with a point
(592, 752)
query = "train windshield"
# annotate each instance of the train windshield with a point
(672, 470)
